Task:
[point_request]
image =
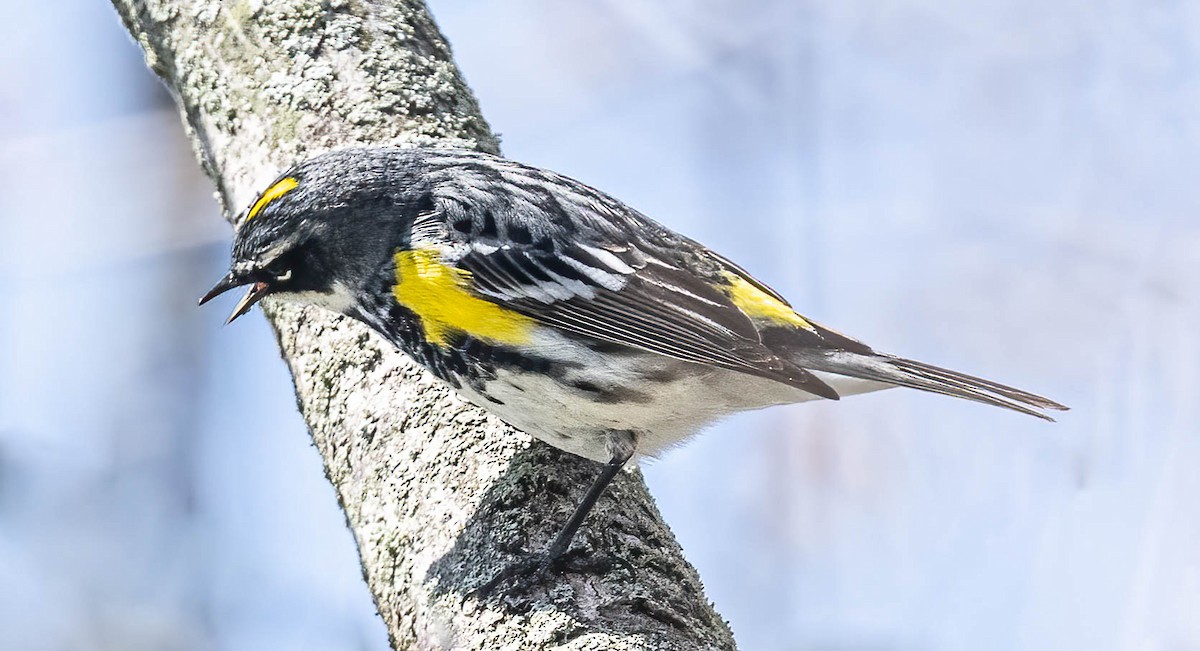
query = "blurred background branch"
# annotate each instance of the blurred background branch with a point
(440, 497)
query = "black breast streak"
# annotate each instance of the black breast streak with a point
(466, 361)
(403, 328)
(474, 363)
(608, 395)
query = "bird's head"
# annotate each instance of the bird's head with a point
(320, 232)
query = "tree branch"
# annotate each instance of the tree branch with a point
(440, 496)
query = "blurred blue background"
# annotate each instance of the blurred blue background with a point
(1007, 187)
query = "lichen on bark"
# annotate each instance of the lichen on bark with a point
(440, 496)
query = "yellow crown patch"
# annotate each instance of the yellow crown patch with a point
(280, 188)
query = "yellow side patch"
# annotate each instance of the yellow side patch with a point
(438, 294)
(281, 187)
(761, 306)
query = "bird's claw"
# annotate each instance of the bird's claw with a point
(537, 568)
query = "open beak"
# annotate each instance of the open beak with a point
(257, 290)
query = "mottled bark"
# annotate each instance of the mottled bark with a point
(439, 495)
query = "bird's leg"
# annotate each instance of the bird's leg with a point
(621, 446)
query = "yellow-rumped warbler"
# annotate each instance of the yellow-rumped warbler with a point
(568, 314)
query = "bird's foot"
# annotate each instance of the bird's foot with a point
(539, 568)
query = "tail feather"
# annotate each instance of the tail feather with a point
(918, 375)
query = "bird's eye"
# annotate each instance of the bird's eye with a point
(279, 273)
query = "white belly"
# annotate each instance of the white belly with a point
(661, 414)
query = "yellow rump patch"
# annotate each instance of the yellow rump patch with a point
(761, 306)
(281, 187)
(438, 294)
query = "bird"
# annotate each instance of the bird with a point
(563, 311)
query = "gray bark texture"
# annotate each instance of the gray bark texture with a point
(440, 496)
